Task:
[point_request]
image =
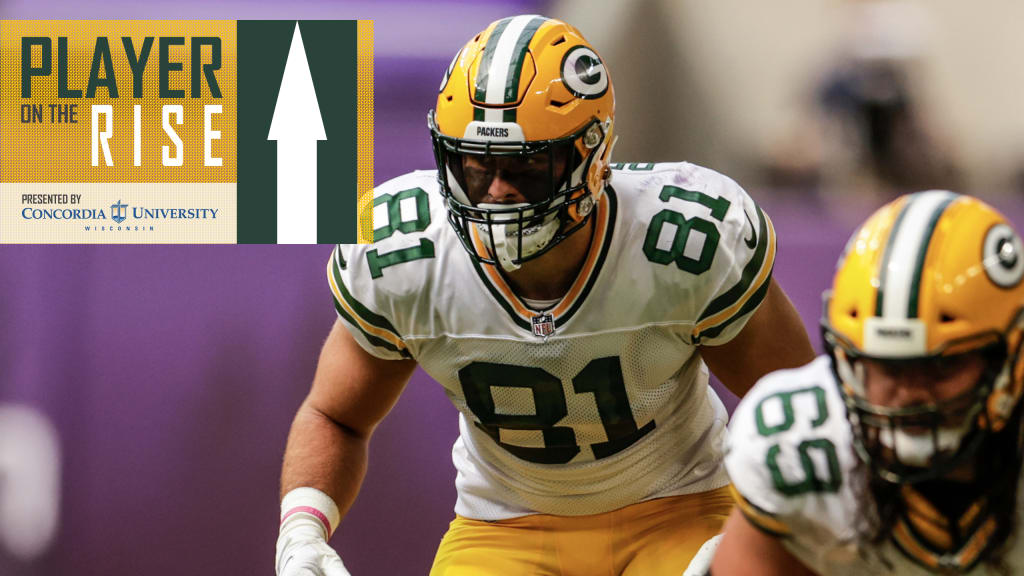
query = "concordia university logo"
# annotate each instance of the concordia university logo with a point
(118, 212)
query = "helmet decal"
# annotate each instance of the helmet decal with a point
(501, 65)
(903, 261)
(583, 73)
(1003, 256)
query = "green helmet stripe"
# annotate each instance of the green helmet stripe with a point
(902, 262)
(500, 69)
(915, 285)
(515, 66)
(888, 253)
(483, 70)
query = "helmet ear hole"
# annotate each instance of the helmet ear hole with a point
(853, 313)
(946, 318)
(558, 40)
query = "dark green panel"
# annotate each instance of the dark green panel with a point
(262, 52)
(331, 50)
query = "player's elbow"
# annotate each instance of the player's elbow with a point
(317, 417)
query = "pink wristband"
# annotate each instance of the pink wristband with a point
(312, 511)
(312, 502)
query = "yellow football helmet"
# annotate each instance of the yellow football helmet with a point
(525, 86)
(926, 279)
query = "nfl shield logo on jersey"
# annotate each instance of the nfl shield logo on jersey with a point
(543, 325)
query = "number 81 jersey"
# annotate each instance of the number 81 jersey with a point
(601, 399)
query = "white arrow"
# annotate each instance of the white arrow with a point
(296, 126)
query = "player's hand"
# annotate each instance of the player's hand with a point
(307, 519)
(701, 563)
(308, 558)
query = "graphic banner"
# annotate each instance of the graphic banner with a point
(186, 131)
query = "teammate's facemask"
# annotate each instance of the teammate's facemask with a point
(922, 441)
(528, 90)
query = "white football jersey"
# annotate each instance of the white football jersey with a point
(790, 456)
(600, 401)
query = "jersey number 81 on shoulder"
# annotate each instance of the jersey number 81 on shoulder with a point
(676, 252)
(376, 261)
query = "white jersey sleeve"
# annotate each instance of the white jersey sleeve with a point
(716, 247)
(789, 454)
(372, 330)
(741, 271)
(377, 287)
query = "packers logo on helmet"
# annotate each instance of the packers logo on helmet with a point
(1003, 256)
(533, 88)
(583, 73)
(926, 280)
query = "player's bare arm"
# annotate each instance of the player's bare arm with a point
(327, 447)
(351, 393)
(748, 550)
(774, 338)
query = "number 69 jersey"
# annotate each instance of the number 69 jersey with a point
(601, 400)
(791, 459)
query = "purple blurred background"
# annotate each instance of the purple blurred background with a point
(171, 374)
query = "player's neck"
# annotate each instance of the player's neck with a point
(550, 275)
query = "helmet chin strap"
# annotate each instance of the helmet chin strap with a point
(505, 235)
(505, 247)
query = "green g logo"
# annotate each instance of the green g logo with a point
(583, 73)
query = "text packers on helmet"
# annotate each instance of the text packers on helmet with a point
(525, 86)
(925, 279)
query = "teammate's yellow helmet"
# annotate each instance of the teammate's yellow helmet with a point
(928, 277)
(525, 86)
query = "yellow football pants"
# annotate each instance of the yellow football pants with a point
(653, 538)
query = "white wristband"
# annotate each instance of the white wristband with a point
(311, 502)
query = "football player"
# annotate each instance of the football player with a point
(568, 315)
(900, 451)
